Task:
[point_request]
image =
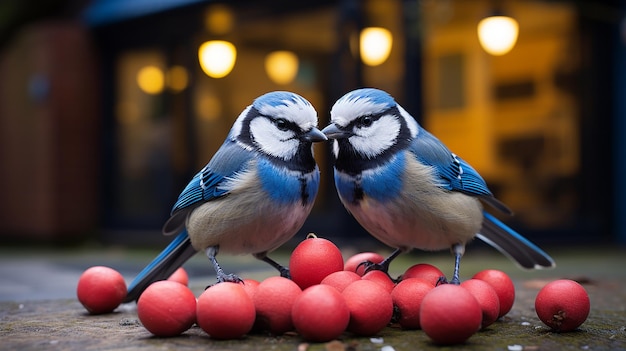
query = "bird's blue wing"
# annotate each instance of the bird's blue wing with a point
(453, 172)
(205, 185)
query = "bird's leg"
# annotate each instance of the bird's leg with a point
(383, 265)
(284, 271)
(211, 252)
(458, 250)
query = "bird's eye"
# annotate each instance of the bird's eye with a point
(281, 124)
(365, 121)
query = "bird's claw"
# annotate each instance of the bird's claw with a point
(441, 280)
(285, 273)
(371, 266)
(232, 278)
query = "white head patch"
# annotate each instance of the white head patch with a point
(376, 138)
(273, 141)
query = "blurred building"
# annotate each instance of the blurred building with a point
(106, 111)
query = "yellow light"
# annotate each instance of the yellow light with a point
(208, 107)
(177, 78)
(150, 79)
(217, 58)
(498, 34)
(375, 45)
(219, 19)
(281, 66)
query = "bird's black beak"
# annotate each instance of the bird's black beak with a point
(332, 132)
(314, 135)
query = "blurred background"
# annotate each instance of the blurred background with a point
(109, 107)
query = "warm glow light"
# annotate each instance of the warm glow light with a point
(150, 79)
(375, 45)
(498, 34)
(177, 78)
(208, 107)
(217, 58)
(219, 19)
(281, 66)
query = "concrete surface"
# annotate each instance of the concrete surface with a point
(39, 310)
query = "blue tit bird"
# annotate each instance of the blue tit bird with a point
(252, 196)
(408, 190)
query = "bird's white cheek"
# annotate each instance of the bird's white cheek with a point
(336, 148)
(377, 138)
(273, 141)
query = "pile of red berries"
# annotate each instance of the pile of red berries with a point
(327, 297)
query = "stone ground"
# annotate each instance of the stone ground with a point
(39, 310)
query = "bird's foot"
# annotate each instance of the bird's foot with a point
(231, 278)
(284, 271)
(382, 265)
(369, 266)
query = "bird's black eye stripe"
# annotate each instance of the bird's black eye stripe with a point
(281, 124)
(365, 121)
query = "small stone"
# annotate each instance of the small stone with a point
(376, 340)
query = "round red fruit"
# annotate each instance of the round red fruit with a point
(354, 263)
(320, 313)
(101, 289)
(370, 305)
(225, 311)
(381, 278)
(562, 305)
(340, 279)
(250, 286)
(167, 308)
(180, 275)
(407, 297)
(502, 284)
(273, 301)
(449, 314)
(312, 260)
(425, 272)
(487, 299)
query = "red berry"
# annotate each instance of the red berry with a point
(425, 272)
(250, 286)
(353, 263)
(312, 260)
(225, 311)
(502, 284)
(180, 275)
(562, 305)
(273, 301)
(487, 299)
(449, 314)
(320, 313)
(101, 289)
(340, 279)
(381, 278)
(167, 308)
(407, 296)
(370, 307)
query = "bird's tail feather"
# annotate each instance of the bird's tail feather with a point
(166, 263)
(526, 254)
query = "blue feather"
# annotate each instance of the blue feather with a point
(454, 172)
(373, 95)
(285, 188)
(277, 98)
(168, 261)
